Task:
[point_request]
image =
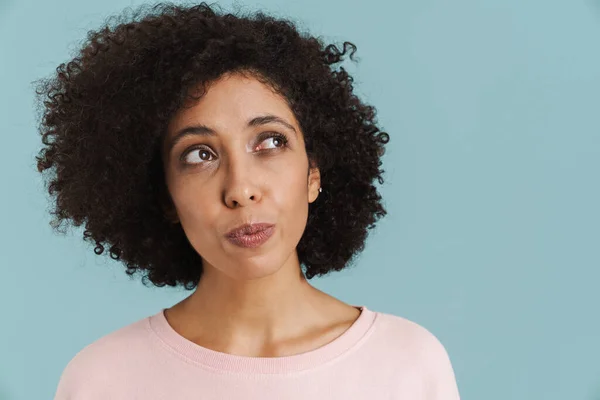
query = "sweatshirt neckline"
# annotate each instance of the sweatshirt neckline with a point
(231, 363)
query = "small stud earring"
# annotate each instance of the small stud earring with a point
(320, 190)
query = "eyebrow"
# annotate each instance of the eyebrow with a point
(203, 130)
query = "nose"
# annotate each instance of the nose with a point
(241, 189)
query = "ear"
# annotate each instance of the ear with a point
(314, 183)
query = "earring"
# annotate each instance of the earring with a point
(320, 190)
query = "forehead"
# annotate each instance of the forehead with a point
(230, 101)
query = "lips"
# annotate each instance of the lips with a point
(251, 236)
(248, 229)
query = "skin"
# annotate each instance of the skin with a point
(249, 302)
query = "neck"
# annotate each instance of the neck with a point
(256, 305)
(249, 316)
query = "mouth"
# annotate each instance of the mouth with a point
(248, 229)
(250, 236)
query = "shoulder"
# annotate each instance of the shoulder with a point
(111, 346)
(411, 342)
(410, 347)
(103, 359)
(403, 334)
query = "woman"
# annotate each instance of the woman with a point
(223, 153)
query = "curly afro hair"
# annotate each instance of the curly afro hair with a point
(105, 115)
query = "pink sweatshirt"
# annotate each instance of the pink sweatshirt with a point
(380, 357)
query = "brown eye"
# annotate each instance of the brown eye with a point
(204, 155)
(277, 138)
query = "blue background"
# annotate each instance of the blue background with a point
(492, 239)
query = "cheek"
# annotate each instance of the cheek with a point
(194, 207)
(291, 189)
(291, 199)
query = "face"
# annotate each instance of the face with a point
(230, 172)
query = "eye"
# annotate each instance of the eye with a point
(201, 151)
(279, 139)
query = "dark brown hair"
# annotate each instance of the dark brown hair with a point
(105, 114)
